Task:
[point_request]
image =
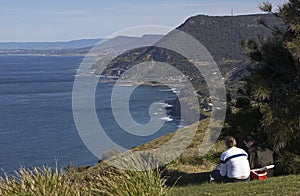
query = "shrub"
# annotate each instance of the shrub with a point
(127, 182)
(287, 163)
(38, 181)
(112, 181)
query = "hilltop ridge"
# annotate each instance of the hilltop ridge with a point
(222, 36)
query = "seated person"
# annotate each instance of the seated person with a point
(234, 165)
(259, 155)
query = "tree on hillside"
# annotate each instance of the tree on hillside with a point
(274, 82)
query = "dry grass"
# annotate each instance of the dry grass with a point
(190, 161)
(110, 181)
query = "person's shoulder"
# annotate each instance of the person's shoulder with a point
(264, 149)
(261, 147)
(234, 150)
(240, 150)
(254, 147)
(225, 153)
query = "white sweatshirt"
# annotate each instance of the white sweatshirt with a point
(234, 163)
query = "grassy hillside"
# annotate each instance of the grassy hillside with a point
(187, 175)
(190, 172)
(190, 161)
(285, 185)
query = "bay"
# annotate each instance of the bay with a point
(36, 120)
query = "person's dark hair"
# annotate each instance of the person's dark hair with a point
(230, 141)
(249, 138)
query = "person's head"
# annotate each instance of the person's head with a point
(230, 141)
(249, 140)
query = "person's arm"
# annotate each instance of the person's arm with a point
(223, 168)
(252, 159)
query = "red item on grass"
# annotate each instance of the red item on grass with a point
(258, 175)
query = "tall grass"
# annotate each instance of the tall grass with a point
(38, 181)
(45, 181)
(140, 176)
(127, 183)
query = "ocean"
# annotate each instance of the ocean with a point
(36, 120)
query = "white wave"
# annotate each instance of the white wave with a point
(164, 90)
(165, 105)
(167, 118)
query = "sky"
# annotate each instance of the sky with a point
(63, 20)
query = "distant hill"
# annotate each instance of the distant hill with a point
(222, 37)
(50, 45)
(77, 47)
(123, 43)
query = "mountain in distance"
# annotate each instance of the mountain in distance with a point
(123, 43)
(77, 47)
(50, 45)
(220, 35)
(223, 37)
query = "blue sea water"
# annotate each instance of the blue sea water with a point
(36, 121)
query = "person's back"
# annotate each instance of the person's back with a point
(259, 155)
(263, 156)
(235, 163)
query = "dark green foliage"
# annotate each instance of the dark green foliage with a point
(274, 87)
(242, 102)
(266, 7)
(290, 13)
(289, 163)
(252, 48)
(244, 121)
